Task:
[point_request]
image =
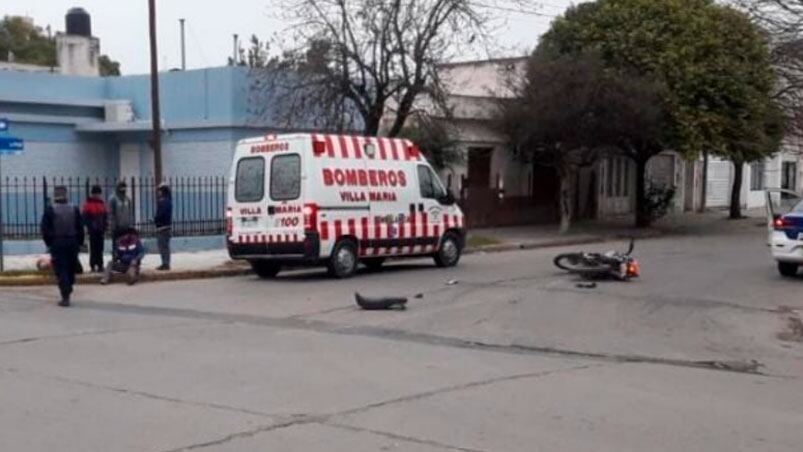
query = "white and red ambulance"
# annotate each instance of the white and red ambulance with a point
(337, 200)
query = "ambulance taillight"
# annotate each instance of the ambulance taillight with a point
(229, 222)
(319, 147)
(310, 217)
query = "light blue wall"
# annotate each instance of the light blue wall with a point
(191, 97)
(50, 88)
(205, 113)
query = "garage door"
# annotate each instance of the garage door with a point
(719, 183)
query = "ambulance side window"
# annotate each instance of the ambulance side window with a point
(285, 177)
(249, 186)
(429, 184)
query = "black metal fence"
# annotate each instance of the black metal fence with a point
(198, 202)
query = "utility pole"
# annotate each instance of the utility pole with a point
(234, 56)
(157, 120)
(183, 48)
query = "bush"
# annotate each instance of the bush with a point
(658, 200)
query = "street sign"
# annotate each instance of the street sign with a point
(11, 145)
(8, 146)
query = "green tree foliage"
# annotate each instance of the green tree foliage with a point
(570, 110)
(24, 42)
(108, 67)
(713, 61)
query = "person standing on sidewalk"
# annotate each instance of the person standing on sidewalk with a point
(164, 223)
(63, 233)
(95, 219)
(120, 214)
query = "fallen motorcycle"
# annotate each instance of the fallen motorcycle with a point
(611, 264)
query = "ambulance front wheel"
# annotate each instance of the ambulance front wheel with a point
(448, 254)
(266, 269)
(343, 262)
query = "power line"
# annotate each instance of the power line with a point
(513, 10)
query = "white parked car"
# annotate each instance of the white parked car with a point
(785, 225)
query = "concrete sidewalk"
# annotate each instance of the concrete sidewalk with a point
(710, 223)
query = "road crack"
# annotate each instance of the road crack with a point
(142, 394)
(325, 419)
(398, 437)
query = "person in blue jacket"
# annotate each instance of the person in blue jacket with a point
(63, 233)
(163, 221)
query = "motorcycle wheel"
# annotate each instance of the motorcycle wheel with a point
(576, 263)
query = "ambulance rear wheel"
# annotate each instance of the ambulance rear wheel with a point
(448, 254)
(343, 263)
(374, 263)
(266, 269)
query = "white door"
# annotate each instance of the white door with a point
(129, 160)
(720, 179)
(616, 186)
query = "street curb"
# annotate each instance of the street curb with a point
(235, 270)
(94, 279)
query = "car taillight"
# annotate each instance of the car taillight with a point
(229, 222)
(780, 224)
(310, 217)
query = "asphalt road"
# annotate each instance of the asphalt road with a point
(699, 354)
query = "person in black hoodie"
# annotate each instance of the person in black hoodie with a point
(163, 221)
(95, 217)
(63, 233)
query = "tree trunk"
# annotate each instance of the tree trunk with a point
(704, 188)
(371, 126)
(565, 200)
(643, 215)
(736, 191)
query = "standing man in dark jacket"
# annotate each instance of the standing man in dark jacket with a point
(120, 213)
(95, 218)
(164, 223)
(63, 233)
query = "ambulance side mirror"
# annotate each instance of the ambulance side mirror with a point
(447, 199)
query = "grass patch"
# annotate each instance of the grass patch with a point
(476, 241)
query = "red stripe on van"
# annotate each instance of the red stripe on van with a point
(355, 143)
(456, 221)
(413, 226)
(393, 149)
(324, 230)
(377, 233)
(344, 149)
(364, 235)
(383, 153)
(446, 224)
(402, 235)
(352, 226)
(436, 232)
(338, 229)
(330, 146)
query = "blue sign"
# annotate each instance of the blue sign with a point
(3, 124)
(11, 145)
